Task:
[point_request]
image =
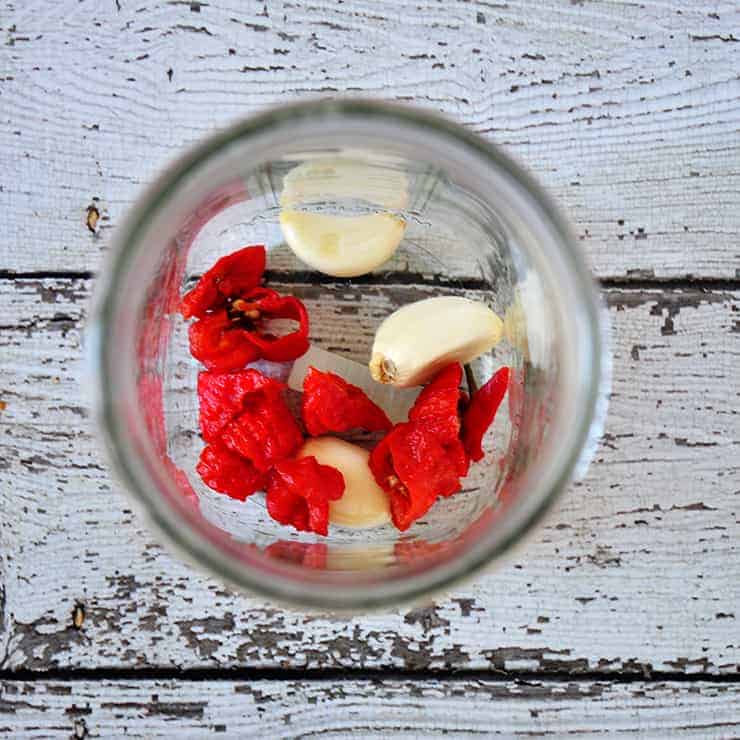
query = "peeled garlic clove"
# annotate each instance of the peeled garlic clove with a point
(419, 339)
(364, 503)
(342, 246)
(382, 184)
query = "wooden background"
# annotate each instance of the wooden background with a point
(622, 615)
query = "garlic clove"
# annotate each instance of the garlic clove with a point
(419, 339)
(328, 179)
(364, 503)
(342, 246)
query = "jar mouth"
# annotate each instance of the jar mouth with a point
(144, 479)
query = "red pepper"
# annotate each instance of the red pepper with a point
(458, 456)
(414, 467)
(249, 427)
(231, 337)
(481, 412)
(299, 491)
(437, 408)
(231, 276)
(423, 459)
(437, 411)
(262, 304)
(264, 433)
(331, 404)
(219, 345)
(223, 396)
(226, 472)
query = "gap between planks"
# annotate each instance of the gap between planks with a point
(238, 673)
(403, 278)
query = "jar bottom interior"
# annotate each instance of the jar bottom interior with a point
(453, 244)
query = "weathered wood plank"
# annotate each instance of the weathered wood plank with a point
(351, 708)
(638, 569)
(628, 113)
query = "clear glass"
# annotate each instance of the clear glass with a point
(474, 224)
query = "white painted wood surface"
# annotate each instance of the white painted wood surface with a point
(637, 571)
(628, 112)
(370, 708)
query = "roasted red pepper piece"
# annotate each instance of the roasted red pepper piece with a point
(414, 467)
(223, 396)
(437, 407)
(231, 276)
(458, 457)
(299, 491)
(331, 404)
(264, 433)
(231, 337)
(226, 472)
(425, 458)
(437, 411)
(481, 412)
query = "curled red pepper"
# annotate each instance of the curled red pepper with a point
(231, 337)
(226, 472)
(299, 491)
(263, 304)
(219, 345)
(264, 433)
(481, 412)
(223, 396)
(231, 276)
(414, 467)
(331, 404)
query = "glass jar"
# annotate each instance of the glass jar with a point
(472, 223)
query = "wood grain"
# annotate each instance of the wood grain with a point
(637, 570)
(378, 708)
(628, 113)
